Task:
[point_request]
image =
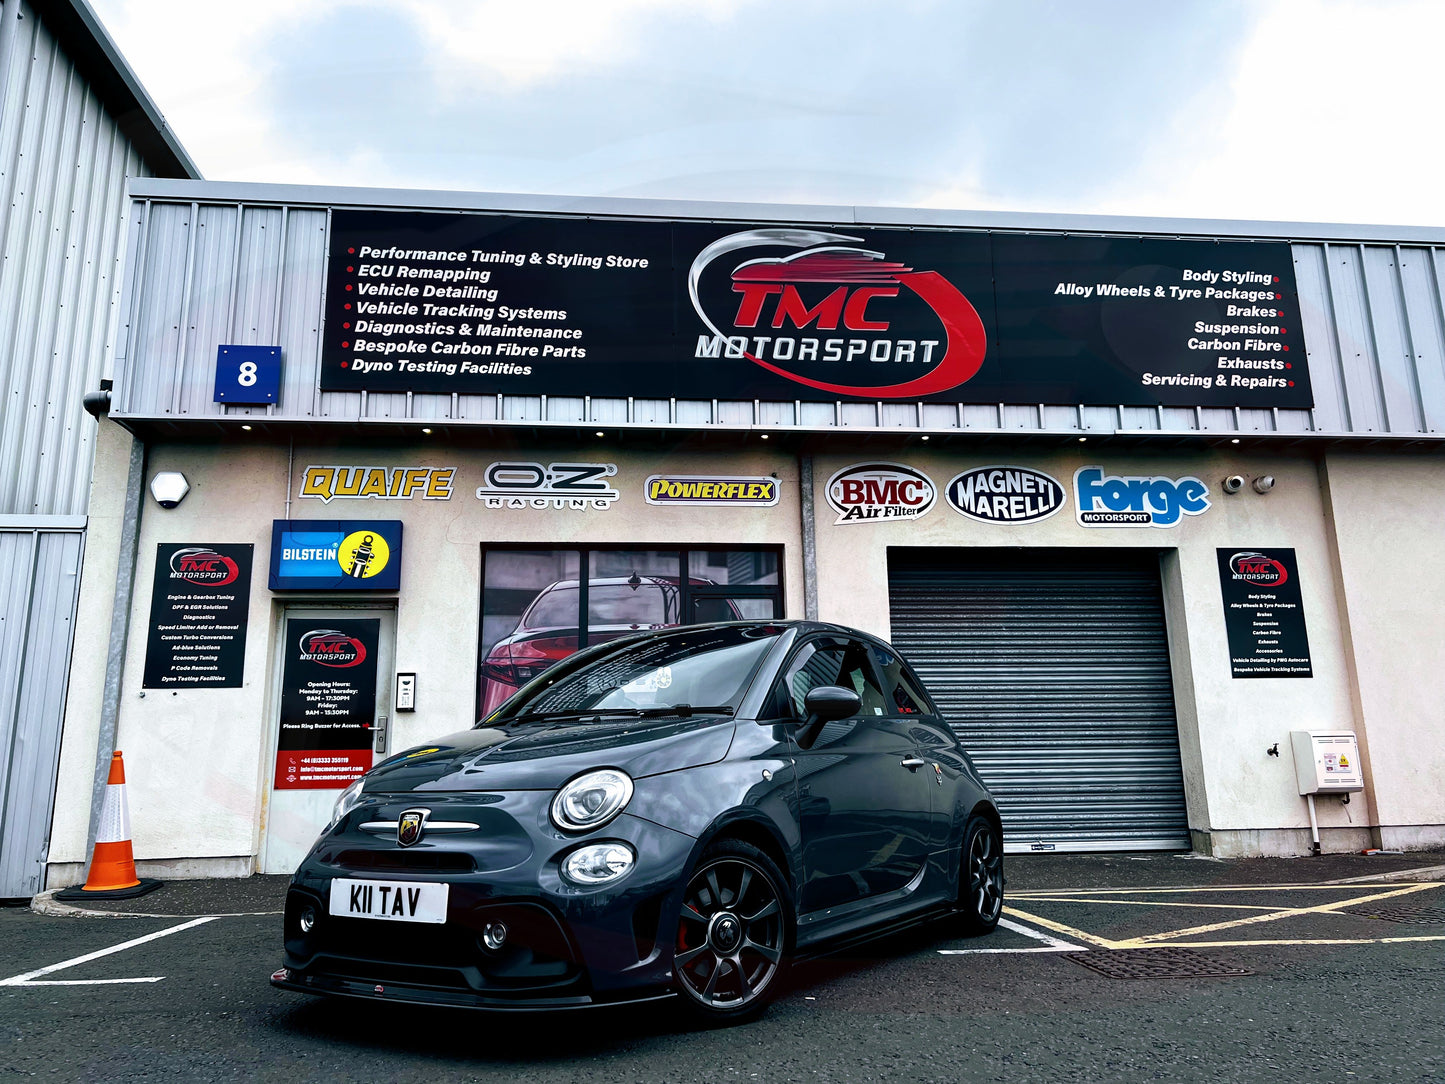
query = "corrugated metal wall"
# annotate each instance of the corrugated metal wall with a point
(39, 584)
(208, 273)
(1053, 667)
(63, 170)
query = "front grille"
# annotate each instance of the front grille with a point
(406, 861)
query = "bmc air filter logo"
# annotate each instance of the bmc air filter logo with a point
(834, 316)
(203, 567)
(1005, 495)
(1136, 500)
(878, 491)
(1258, 569)
(329, 647)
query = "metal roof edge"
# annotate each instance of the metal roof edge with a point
(627, 206)
(97, 57)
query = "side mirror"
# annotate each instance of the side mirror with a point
(829, 702)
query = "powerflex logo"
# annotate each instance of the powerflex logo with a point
(834, 315)
(1136, 500)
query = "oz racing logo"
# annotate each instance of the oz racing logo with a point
(818, 309)
(331, 647)
(1257, 568)
(203, 567)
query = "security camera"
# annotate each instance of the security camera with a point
(169, 488)
(1264, 483)
(1233, 484)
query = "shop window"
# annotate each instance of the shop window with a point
(538, 608)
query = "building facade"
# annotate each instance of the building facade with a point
(75, 125)
(1139, 499)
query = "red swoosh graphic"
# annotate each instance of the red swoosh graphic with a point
(963, 354)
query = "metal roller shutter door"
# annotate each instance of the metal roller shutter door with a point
(1053, 668)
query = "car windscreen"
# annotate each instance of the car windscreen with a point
(626, 604)
(700, 669)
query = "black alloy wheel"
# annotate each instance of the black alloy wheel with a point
(980, 898)
(732, 933)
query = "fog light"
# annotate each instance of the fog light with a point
(598, 864)
(494, 936)
(308, 920)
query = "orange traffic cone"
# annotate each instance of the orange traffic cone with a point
(112, 863)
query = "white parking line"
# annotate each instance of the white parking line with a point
(29, 978)
(1051, 944)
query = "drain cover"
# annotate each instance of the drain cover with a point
(1158, 963)
(1420, 916)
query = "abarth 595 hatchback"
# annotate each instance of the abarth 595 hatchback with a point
(677, 814)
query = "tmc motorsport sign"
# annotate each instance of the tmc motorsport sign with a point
(328, 702)
(552, 306)
(1264, 614)
(335, 555)
(200, 598)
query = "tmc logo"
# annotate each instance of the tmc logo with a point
(1136, 500)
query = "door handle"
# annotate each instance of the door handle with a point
(914, 763)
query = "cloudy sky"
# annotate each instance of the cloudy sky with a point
(1315, 110)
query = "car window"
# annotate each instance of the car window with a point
(900, 689)
(827, 662)
(555, 608)
(626, 604)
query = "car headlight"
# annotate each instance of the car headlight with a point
(591, 800)
(345, 803)
(598, 864)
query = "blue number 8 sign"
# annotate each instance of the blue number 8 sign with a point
(248, 374)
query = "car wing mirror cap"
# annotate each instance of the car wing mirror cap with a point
(828, 702)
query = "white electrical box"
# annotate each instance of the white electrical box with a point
(1326, 761)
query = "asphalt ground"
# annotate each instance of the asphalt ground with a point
(1332, 993)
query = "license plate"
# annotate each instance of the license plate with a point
(397, 901)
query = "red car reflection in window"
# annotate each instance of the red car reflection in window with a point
(616, 606)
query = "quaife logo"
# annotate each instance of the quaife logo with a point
(833, 315)
(1256, 568)
(203, 566)
(872, 492)
(1136, 500)
(1005, 494)
(329, 647)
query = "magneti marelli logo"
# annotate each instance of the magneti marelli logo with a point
(833, 306)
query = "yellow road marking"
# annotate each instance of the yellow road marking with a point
(1148, 903)
(1292, 941)
(1026, 896)
(1290, 912)
(1059, 927)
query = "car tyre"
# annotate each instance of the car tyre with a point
(980, 878)
(734, 935)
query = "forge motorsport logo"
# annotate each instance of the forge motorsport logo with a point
(819, 309)
(1257, 568)
(203, 567)
(330, 647)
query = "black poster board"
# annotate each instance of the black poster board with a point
(1263, 614)
(328, 702)
(199, 603)
(479, 303)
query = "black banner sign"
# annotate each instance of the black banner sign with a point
(328, 702)
(199, 602)
(531, 306)
(1263, 614)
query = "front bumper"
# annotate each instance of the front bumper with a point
(566, 947)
